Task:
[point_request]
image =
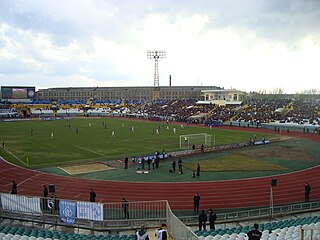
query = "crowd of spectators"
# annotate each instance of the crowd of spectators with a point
(262, 110)
(6, 111)
(279, 110)
(254, 111)
(179, 110)
(304, 112)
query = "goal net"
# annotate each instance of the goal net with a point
(198, 139)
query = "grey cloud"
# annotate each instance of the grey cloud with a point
(285, 20)
(22, 16)
(66, 21)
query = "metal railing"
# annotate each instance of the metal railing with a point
(128, 216)
(115, 216)
(281, 210)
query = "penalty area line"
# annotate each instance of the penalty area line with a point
(16, 157)
(90, 151)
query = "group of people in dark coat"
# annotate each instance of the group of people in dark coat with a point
(174, 164)
(203, 218)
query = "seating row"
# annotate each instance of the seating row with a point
(18, 233)
(280, 230)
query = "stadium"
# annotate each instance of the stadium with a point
(256, 155)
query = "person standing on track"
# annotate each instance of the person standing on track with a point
(196, 203)
(307, 190)
(14, 189)
(92, 195)
(45, 197)
(45, 191)
(125, 207)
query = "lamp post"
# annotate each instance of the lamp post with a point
(156, 55)
(273, 184)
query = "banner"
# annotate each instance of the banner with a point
(68, 210)
(90, 210)
(13, 202)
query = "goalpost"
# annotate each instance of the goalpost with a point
(198, 139)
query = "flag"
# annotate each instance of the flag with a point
(68, 210)
(20, 203)
(90, 210)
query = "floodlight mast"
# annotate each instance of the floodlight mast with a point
(156, 55)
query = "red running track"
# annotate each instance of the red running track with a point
(254, 192)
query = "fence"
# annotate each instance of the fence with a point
(305, 128)
(124, 215)
(93, 216)
(278, 127)
(178, 230)
(107, 211)
(259, 213)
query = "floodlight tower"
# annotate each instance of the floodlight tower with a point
(156, 55)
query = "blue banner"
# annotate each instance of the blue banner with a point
(90, 210)
(68, 211)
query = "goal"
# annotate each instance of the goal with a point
(198, 139)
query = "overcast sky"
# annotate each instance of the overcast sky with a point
(249, 45)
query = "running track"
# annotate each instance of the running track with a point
(214, 194)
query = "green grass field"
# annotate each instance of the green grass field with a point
(95, 143)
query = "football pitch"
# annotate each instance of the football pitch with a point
(38, 144)
(85, 148)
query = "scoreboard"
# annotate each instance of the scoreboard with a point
(18, 92)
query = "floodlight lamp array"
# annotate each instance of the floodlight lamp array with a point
(155, 54)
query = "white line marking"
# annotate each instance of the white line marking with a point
(91, 151)
(62, 169)
(29, 178)
(15, 157)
